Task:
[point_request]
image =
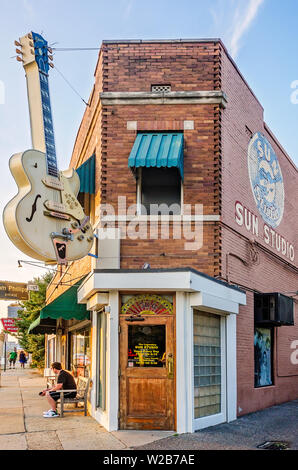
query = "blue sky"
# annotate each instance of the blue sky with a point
(260, 34)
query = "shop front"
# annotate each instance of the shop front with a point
(67, 327)
(165, 354)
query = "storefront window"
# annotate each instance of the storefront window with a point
(207, 364)
(263, 357)
(146, 346)
(80, 354)
(51, 351)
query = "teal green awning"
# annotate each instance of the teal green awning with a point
(42, 326)
(86, 173)
(164, 149)
(66, 306)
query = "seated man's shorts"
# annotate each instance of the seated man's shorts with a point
(57, 395)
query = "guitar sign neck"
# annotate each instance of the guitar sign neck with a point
(41, 57)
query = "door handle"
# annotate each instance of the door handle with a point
(170, 366)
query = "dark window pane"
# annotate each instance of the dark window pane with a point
(161, 186)
(146, 346)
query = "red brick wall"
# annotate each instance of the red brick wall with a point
(199, 181)
(269, 273)
(186, 66)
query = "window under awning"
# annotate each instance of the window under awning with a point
(42, 326)
(66, 306)
(86, 174)
(160, 149)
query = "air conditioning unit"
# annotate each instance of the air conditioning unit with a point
(273, 309)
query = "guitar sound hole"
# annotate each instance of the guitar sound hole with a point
(33, 209)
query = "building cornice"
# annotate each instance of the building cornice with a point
(172, 97)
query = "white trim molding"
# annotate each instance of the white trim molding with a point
(170, 280)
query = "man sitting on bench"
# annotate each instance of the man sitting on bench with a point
(65, 381)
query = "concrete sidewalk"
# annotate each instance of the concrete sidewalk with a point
(22, 425)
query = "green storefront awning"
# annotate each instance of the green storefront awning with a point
(42, 326)
(86, 174)
(160, 149)
(65, 306)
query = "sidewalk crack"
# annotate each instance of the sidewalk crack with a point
(21, 393)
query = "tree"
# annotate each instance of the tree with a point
(31, 308)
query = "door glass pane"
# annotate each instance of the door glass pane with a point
(207, 364)
(146, 346)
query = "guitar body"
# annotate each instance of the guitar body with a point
(39, 211)
(44, 220)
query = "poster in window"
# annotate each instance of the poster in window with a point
(263, 357)
(146, 346)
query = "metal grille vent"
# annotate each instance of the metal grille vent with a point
(160, 88)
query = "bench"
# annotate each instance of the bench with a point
(82, 396)
(82, 383)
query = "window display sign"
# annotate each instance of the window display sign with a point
(146, 346)
(147, 304)
(263, 347)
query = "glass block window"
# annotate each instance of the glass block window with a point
(161, 88)
(207, 364)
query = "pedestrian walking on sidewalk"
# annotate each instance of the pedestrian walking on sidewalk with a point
(12, 358)
(22, 359)
(65, 381)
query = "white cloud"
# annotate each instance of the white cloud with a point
(242, 22)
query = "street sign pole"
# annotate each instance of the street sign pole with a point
(5, 338)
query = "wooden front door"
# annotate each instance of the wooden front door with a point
(147, 373)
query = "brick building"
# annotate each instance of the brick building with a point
(179, 333)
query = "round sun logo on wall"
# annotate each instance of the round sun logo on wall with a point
(266, 179)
